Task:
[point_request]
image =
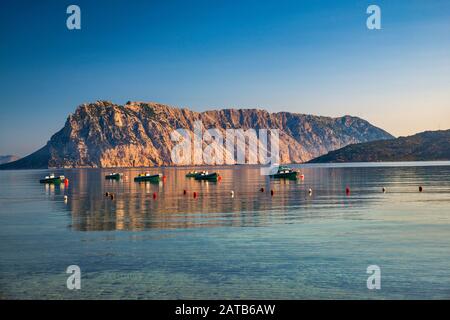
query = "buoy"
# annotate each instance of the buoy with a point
(384, 190)
(195, 194)
(262, 189)
(106, 194)
(232, 193)
(271, 192)
(310, 191)
(219, 178)
(66, 182)
(65, 198)
(302, 177)
(420, 189)
(154, 195)
(184, 192)
(164, 178)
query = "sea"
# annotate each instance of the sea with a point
(246, 236)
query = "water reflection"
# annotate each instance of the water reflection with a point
(289, 246)
(135, 207)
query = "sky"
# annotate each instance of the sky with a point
(315, 57)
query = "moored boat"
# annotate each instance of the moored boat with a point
(193, 174)
(207, 176)
(52, 179)
(148, 177)
(284, 172)
(114, 175)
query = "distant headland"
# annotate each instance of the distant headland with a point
(425, 146)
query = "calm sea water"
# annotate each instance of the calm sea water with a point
(255, 246)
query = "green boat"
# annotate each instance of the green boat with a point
(207, 176)
(284, 172)
(148, 177)
(113, 176)
(52, 179)
(193, 174)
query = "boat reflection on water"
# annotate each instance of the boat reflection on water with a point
(135, 208)
(172, 204)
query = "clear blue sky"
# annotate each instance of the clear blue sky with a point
(313, 57)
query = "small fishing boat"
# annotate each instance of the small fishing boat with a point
(284, 172)
(193, 174)
(114, 176)
(148, 177)
(207, 176)
(52, 179)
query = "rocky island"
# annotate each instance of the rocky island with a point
(104, 134)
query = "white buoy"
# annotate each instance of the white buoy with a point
(232, 193)
(384, 190)
(310, 191)
(65, 198)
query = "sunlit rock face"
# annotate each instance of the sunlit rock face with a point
(104, 134)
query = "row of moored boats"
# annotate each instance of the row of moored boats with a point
(140, 177)
(282, 172)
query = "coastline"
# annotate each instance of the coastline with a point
(295, 165)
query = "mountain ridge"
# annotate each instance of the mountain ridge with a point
(104, 134)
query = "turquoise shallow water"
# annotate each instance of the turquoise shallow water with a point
(252, 245)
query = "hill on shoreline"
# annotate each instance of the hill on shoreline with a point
(424, 146)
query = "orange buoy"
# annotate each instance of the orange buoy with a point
(420, 189)
(219, 178)
(66, 182)
(302, 177)
(262, 189)
(164, 178)
(271, 192)
(154, 195)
